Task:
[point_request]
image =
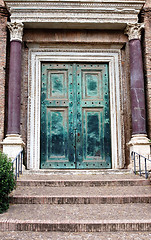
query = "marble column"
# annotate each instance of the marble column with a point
(139, 141)
(13, 143)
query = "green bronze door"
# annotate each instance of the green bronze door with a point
(75, 116)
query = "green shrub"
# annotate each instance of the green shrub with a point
(7, 181)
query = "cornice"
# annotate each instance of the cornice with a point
(99, 1)
(66, 11)
(105, 4)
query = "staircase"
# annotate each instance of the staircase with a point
(79, 203)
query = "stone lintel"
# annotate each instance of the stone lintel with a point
(103, 37)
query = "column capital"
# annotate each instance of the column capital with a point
(16, 30)
(134, 30)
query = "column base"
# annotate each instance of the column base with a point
(140, 144)
(12, 145)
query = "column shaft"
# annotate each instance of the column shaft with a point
(137, 88)
(14, 88)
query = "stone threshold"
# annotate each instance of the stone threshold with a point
(77, 171)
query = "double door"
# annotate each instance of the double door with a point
(75, 116)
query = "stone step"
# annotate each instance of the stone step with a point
(77, 218)
(81, 195)
(79, 175)
(79, 180)
(81, 183)
(80, 200)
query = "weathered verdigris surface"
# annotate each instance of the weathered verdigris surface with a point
(75, 118)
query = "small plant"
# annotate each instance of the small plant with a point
(7, 181)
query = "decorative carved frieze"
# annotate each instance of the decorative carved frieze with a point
(134, 30)
(16, 31)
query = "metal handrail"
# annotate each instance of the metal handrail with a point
(18, 161)
(140, 158)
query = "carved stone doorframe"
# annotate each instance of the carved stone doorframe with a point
(36, 57)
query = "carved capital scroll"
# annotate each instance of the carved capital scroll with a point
(134, 30)
(16, 31)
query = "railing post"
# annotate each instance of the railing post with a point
(16, 169)
(21, 161)
(134, 162)
(146, 173)
(18, 162)
(141, 169)
(140, 173)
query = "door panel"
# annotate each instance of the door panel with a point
(75, 118)
(93, 118)
(92, 134)
(57, 136)
(57, 84)
(57, 133)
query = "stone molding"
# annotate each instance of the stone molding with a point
(12, 145)
(16, 30)
(134, 30)
(51, 53)
(13, 139)
(139, 139)
(107, 14)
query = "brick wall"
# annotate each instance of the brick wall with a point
(3, 42)
(126, 100)
(146, 17)
(24, 97)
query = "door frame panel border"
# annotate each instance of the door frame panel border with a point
(38, 55)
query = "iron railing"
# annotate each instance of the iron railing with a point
(141, 168)
(17, 164)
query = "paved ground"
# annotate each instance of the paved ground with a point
(74, 236)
